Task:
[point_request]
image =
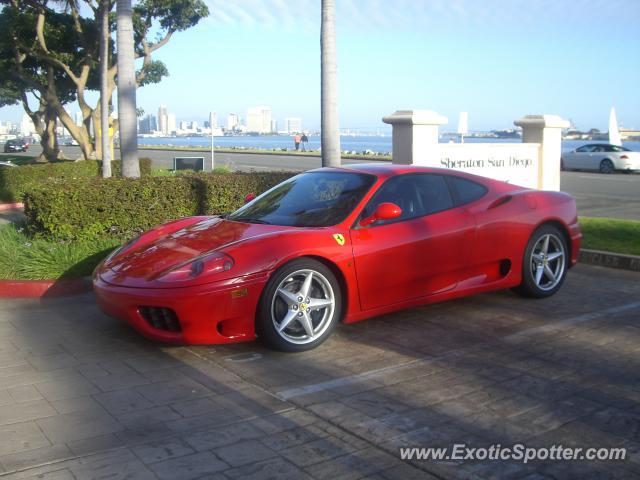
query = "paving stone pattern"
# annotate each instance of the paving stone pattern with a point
(83, 397)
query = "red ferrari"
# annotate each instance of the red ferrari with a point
(338, 244)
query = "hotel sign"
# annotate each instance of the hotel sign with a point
(515, 163)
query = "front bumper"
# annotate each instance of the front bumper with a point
(215, 313)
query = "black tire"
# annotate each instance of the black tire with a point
(280, 303)
(606, 166)
(562, 167)
(536, 284)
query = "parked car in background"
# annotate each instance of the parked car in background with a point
(602, 157)
(16, 145)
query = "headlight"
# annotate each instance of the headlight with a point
(207, 264)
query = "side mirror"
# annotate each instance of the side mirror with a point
(249, 197)
(385, 211)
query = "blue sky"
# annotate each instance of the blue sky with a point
(496, 59)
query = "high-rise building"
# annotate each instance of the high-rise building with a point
(293, 125)
(26, 126)
(148, 124)
(232, 121)
(274, 126)
(171, 123)
(78, 120)
(259, 120)
(162, 120)
(213, 120)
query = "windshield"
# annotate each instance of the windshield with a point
(314, 199)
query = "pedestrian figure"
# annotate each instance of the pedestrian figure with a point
(305, 141)
(296, 141)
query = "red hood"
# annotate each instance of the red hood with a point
(142, 264)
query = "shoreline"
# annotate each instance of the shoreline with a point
(258, 151)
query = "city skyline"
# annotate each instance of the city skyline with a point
(496, 60)
(258, 120)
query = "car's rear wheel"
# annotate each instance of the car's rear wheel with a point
(562, 167)
(300, 306)
(606, 166)
(544, 265)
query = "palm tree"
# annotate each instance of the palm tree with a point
(105, 6)
(330, 132)
(127, 117)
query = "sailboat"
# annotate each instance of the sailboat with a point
(463, 125)
(614, 133)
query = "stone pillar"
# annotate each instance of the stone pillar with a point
(415, 136)
(547, 131)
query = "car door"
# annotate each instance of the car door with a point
(578, 159)
(596, 155)
(417, 254)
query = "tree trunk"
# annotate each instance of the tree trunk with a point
(104, 85)
(330, 132)
(127, 92)
(49, 139)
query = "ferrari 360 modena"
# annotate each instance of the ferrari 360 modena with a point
(338, 245)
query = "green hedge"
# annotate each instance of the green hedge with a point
(14, 182)
(80, 209)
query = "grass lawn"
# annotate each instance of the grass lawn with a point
(25, 258)
(611, 235)
(17, 159)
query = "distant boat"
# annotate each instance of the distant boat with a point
(614, 133)
(463, 125)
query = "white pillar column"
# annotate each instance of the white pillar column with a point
(547, 131)
(415, 136)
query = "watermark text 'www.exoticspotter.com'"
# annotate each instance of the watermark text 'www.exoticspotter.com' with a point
(518, 453)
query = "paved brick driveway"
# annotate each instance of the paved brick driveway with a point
(81, 396)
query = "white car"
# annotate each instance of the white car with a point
(603, 157)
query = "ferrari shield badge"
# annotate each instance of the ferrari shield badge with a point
(338, 238)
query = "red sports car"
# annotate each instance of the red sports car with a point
(338, 244)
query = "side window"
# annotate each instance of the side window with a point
(399, 190)
(467, 190)
(584, 149)
(598, 148)
(416, 194)
(433, 193)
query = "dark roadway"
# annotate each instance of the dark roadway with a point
(598, 195)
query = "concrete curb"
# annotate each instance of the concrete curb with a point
(44, 288)
(10, 206)
(611, 260)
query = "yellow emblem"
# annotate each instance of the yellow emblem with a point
(339, 238)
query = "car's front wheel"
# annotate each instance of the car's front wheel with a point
(544, 265)
(300, 306)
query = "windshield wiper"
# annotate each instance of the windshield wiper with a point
(250, 220)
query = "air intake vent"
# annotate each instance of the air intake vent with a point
(161, 318)
(500, 201)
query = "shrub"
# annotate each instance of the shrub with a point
(81, 208)
(14, 182)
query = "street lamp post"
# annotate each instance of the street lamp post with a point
(213, 161)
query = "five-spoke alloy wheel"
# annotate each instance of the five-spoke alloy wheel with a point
(300, 306)
(544, 264)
